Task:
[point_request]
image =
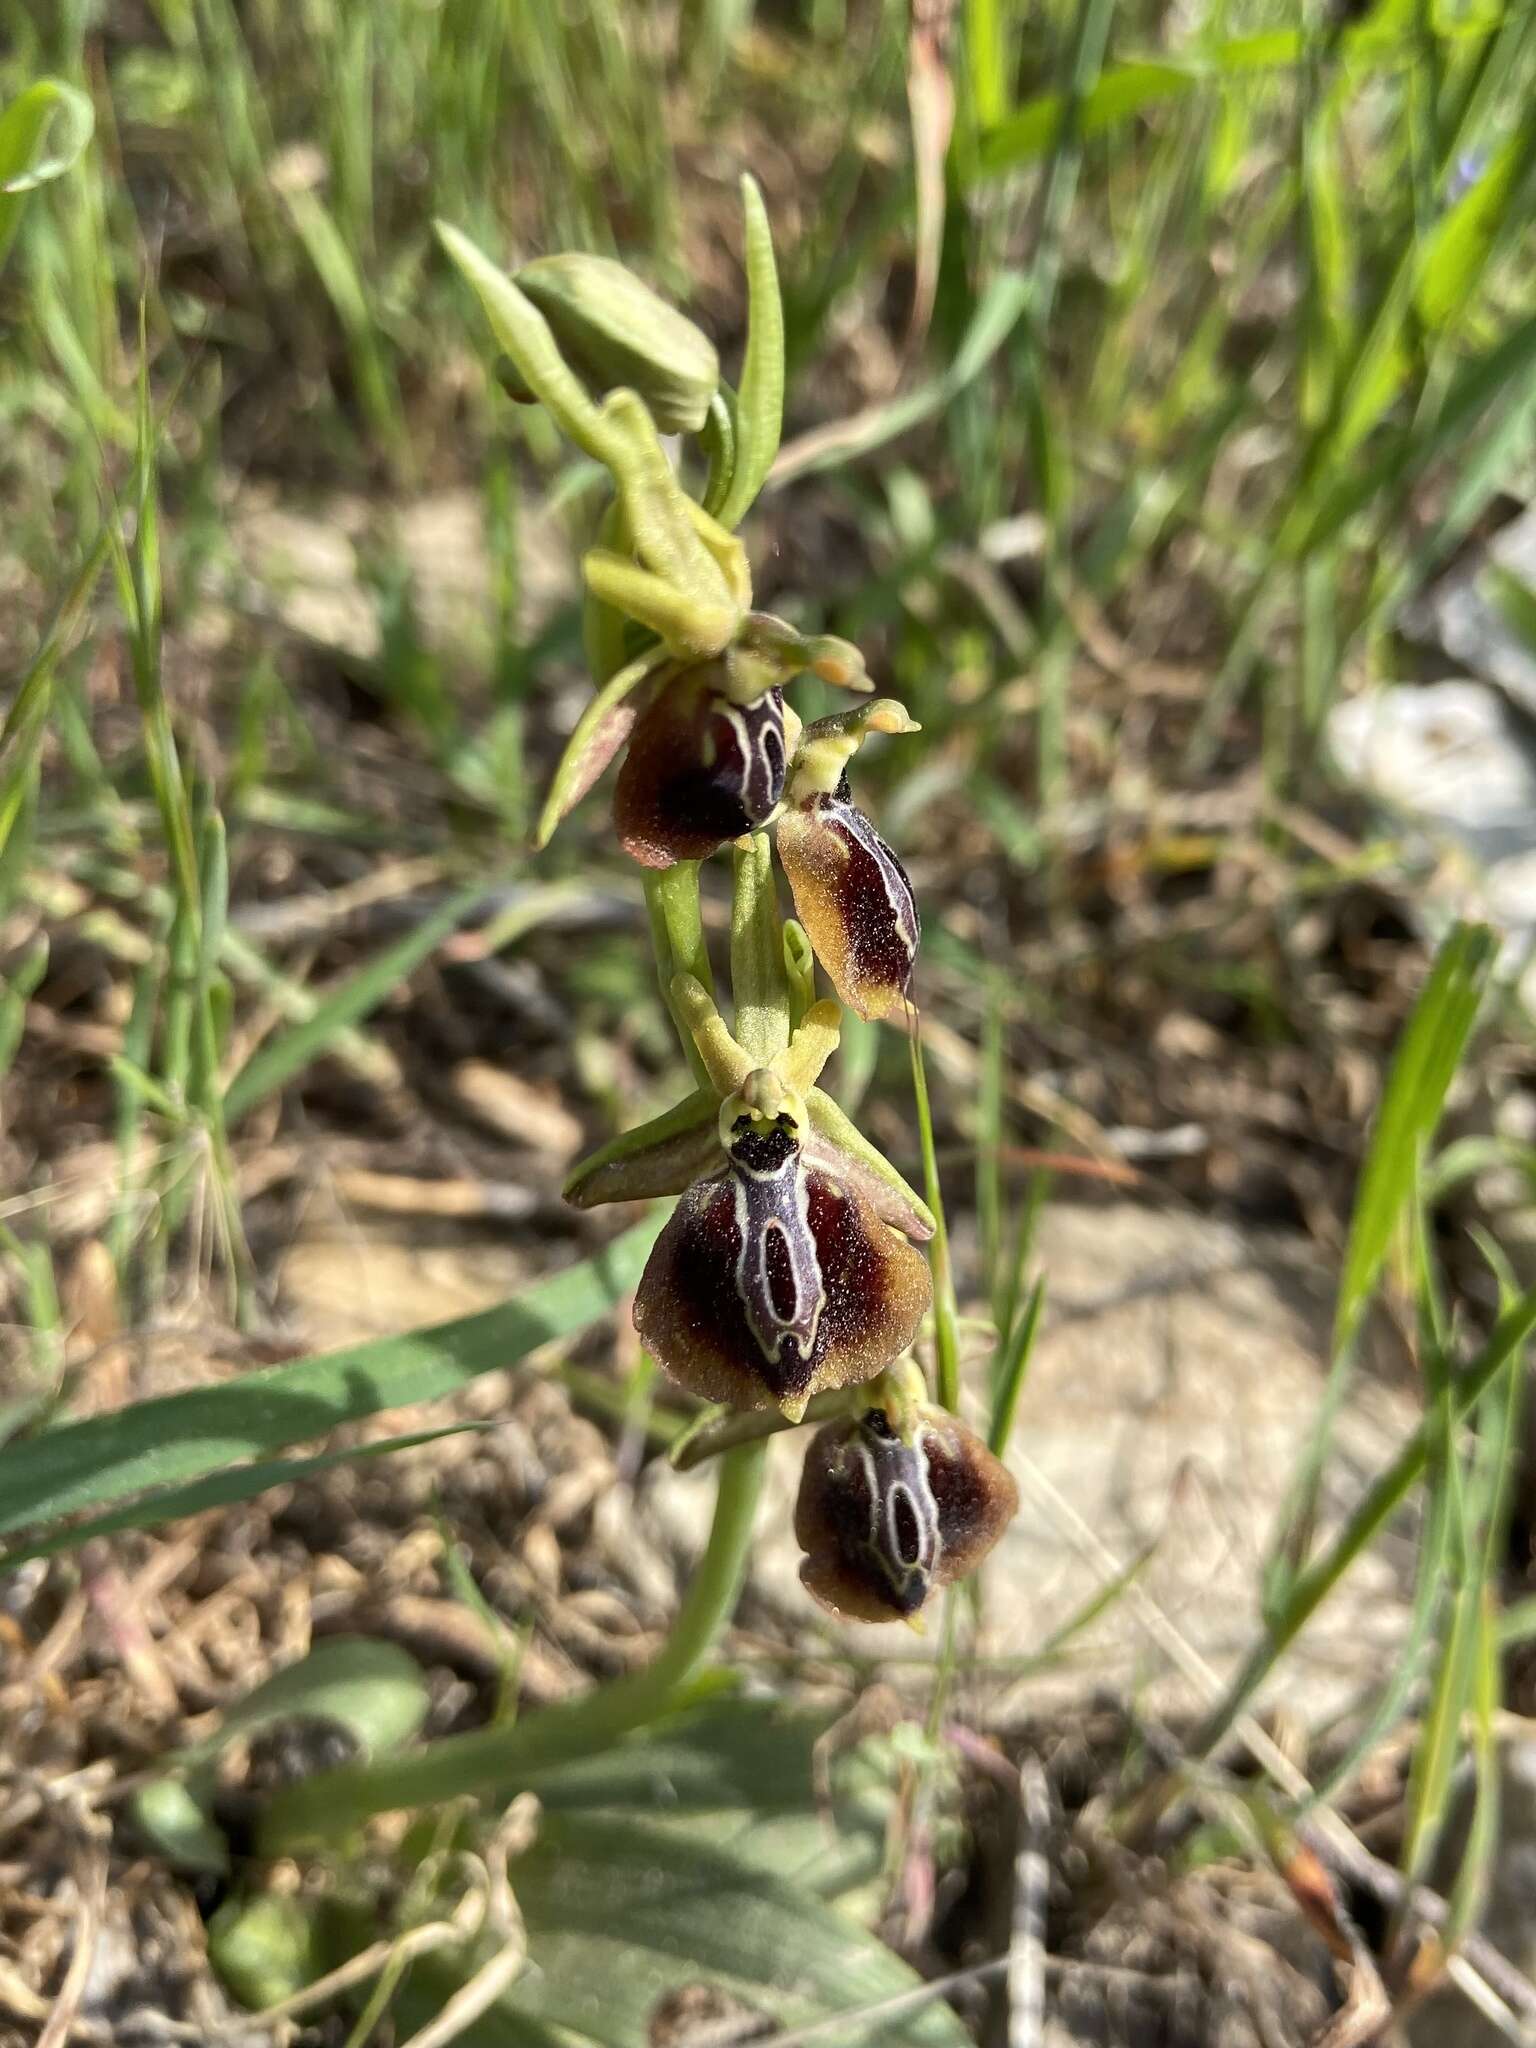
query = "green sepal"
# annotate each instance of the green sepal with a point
(619, 433)
(669, 1153)
(760, 405)
(662, 517)
(525, 334)
(662, 1157)
(726, 551)
(690, 630)
(718, 441)
(600, 731)
(605, 633)
(840, 1146)
(759, 984)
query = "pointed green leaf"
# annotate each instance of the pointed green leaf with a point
(760, 400)
(375, 1690)
(220, 1489)
(622, 1916)
(178, 1438)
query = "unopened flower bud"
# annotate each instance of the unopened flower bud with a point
(616, 332)
(885, 1514)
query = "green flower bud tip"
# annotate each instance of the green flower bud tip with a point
(615, 331)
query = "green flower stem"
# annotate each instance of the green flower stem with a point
(499, 1760)
(717, 1430)
(946, 1318)
(759, 981)
(677, 938)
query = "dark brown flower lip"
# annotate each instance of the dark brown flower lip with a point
(765, 1294)
(854, 898)
(700, 769)
(885, 1516)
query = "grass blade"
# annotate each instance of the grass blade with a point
(43, 133)
(997, 314)
(1428, 1056)
(274, 1064)
(178, 1438)
(1456, 254)
(1013, 1370)
(1313, 1585)
(219, 1490)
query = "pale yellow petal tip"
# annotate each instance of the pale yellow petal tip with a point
(823, 1015)
(888, 714)
(839, 663)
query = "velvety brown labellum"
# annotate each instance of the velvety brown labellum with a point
(700, 770)
(711, 1293)
(883, 1521)
(853, 897)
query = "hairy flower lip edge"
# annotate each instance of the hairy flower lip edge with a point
(691, 1314)
(851, 891)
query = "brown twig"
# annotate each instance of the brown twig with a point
(1031, 1885)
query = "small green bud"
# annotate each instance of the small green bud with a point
(615, 332)
(264, 1948)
